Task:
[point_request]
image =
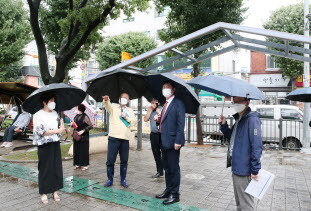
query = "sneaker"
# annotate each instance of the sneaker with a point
(4, 144)
(9, 144)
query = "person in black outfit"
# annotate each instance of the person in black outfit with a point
(81, 147)
(155, 138)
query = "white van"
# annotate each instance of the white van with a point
(281, 123)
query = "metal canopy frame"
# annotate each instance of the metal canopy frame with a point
(232, 32)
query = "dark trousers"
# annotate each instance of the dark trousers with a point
(115, 146)
(172, 171)
(155, 139)
(50, 168)
(81, 156)
(9, 133)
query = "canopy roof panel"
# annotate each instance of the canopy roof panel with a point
(234, 36)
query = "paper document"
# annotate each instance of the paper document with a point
(259, 188)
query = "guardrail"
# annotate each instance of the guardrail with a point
(282, 133)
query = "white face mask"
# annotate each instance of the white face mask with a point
(167, 92)
(123, 101)
(51, 105)
(238, 107)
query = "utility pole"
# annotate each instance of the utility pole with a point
(139, 124)
(306, 83)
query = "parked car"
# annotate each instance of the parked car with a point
(281, 123)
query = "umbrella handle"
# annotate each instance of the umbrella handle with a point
(223, 105)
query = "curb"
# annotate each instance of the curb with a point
(29, 161)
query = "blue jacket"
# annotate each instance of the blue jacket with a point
(173, 124)
(247, 147)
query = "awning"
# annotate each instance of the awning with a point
(14, 89)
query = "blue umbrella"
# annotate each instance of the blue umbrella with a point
(302, 95)
(227, 86)
(183, 91)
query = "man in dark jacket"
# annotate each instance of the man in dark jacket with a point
(171, 127)
(244, 150)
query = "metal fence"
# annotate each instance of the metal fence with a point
(283, 133)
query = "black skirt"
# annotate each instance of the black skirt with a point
(81, 156)
(50, 168)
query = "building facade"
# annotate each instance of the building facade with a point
(266, 75)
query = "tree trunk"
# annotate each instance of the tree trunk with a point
(196, 73)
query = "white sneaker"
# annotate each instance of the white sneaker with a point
(9, 144)
(4, 144)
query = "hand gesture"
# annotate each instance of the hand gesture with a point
(158, 111)
(222, 120)
(123, 115)
(255, 177)
(150, 108)
(80, 132)
(177, 146)
(156, 117)
(106, 98)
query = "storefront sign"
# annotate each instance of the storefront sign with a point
(269, 80)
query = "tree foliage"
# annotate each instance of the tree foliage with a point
(288, 19)
(135, 43)
(14, 35)
(187, 16)
(70, 29)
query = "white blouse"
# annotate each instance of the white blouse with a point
(42, 122)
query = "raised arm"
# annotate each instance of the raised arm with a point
(107, 104)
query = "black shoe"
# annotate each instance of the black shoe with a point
(157, 175)
(164, 195)
(171, 200)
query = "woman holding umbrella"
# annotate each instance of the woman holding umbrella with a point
(46, 103)
(47, 135)
(81, 143)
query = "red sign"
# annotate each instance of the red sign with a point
(299, 81)
(82, 66)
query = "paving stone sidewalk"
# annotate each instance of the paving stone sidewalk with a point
(205, 182)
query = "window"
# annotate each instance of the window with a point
(129, 19)
(164, 13)
(290, 114)
(266, 113)
(271, 63)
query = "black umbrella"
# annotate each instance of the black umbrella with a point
(302, 95)
(67, 97)
(115, 82)
(183, 91)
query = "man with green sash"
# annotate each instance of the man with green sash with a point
(121, 117)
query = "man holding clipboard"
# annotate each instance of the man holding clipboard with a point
(121, 118)
(244, 150)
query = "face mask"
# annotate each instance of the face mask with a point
(123, 101)
(51, 105)
(239, 107)
(166, 92)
